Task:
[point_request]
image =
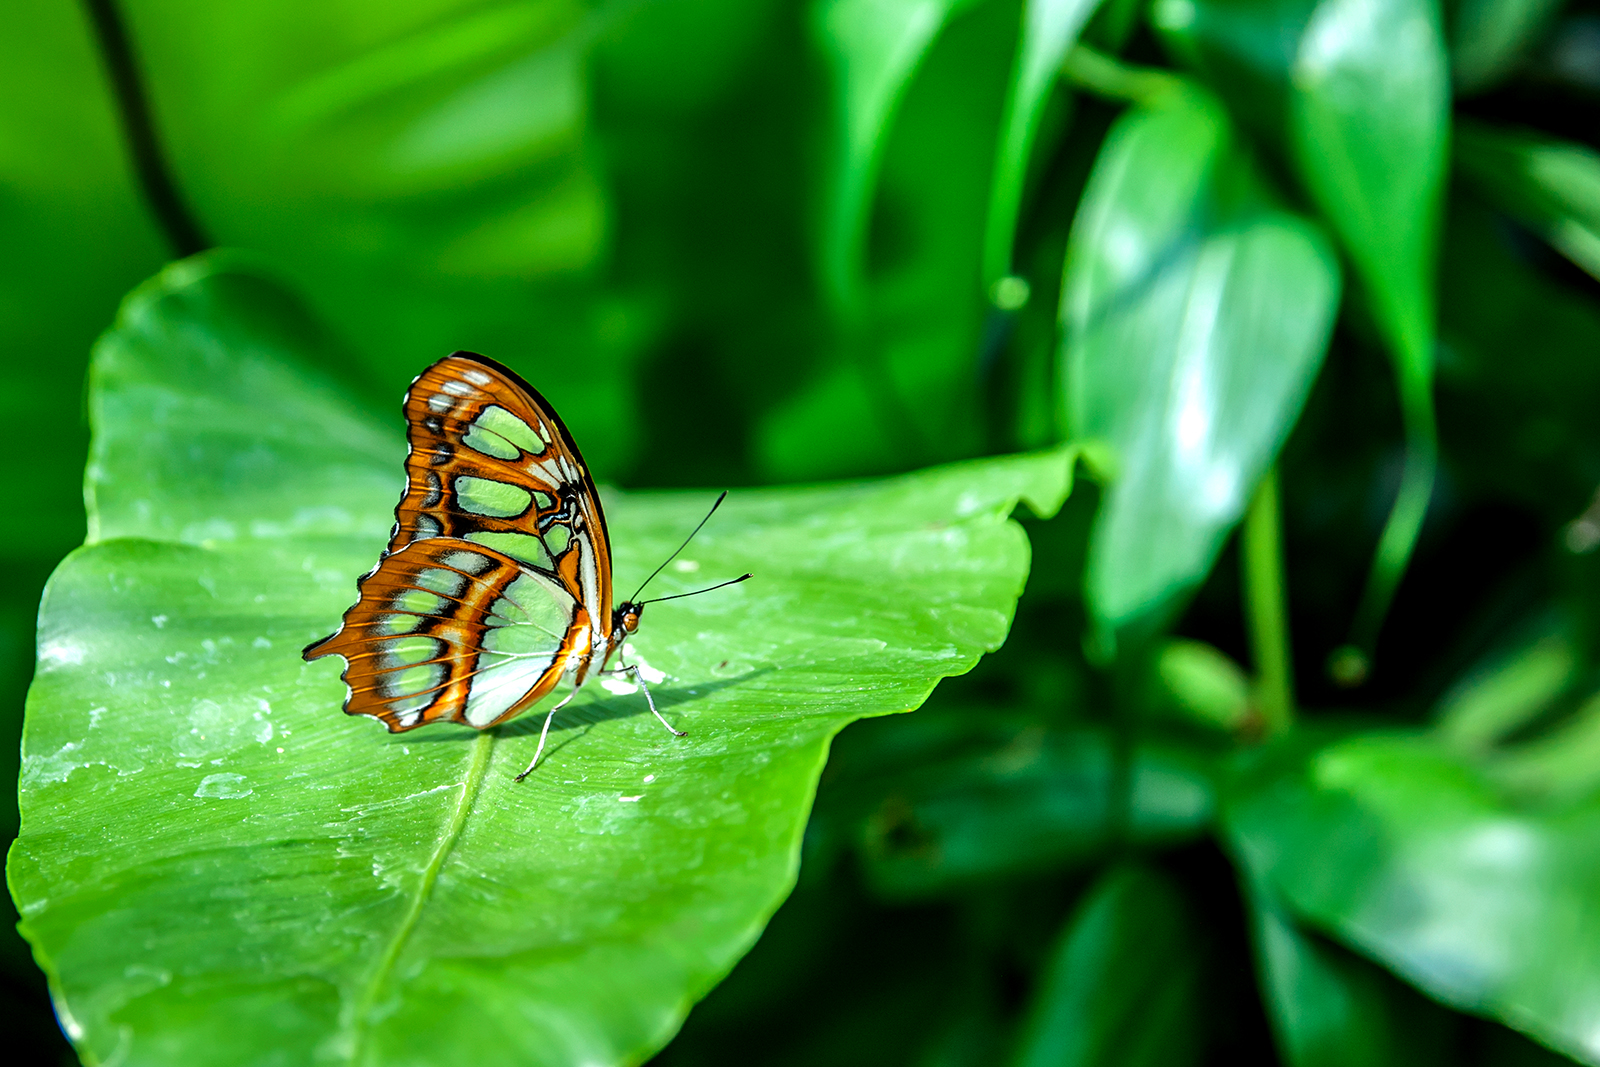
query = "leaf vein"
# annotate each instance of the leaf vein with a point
(477, 768)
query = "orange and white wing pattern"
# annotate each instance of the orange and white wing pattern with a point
(497, 579)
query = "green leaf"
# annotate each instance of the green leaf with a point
(1408, 852)
(1203, 684)
(1049, 29)
(1551, 186)
(214, 861)
(426, 175)
(76, 239)
(1244, 49)
(961, 795)
(1123, 984)
(1370, 123)
(1195, 316)
(1508, 693)
(871, 50)
(1330, 1008)
(894, 389)
(1488, 38)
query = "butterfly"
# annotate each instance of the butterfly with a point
(496, 582)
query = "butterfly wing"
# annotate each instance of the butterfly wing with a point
(497, 578)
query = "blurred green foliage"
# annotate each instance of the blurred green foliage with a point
(740, 242)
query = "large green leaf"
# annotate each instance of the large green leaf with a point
(217, 866)
(1195, 317)
(1123, 985)
(1411, 852)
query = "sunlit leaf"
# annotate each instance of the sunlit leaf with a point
(1411, 854)
(1371, 129)
(1195, 315)
(215, 861)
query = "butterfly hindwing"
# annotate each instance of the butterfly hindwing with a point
(497, 578)
(449, 630)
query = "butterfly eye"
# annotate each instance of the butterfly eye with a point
(630, 621)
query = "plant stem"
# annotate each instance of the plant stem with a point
(1266, 606)
(1102, 75)
(1399, 537)
(138, 128)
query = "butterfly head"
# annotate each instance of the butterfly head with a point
(625, 620)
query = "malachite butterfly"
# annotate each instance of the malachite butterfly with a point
(496, 583)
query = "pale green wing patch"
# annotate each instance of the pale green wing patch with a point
(491, 499)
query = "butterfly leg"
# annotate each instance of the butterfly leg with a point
(648, 699)
(544, 734)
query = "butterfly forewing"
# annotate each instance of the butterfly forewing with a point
(497, 578)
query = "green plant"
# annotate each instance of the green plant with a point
(1288, 756)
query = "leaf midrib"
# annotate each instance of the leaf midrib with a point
(477, 768)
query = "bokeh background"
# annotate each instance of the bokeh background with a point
(744, 242)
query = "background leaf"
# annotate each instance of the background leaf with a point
(1370, 122)
(425, 176)
(1411, 854)
(76, 239)
(263, 872)
(893, 388)
(1049, 29)
(1174, 353)
(1551, 186)
(1489, 37)
(1371, 127)
(961, 795)
(1124, 983)
(1331, 1007)
(872, 49)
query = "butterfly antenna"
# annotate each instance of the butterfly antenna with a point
(635, 597)
(697, 592)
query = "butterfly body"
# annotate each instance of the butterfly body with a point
(496, 582)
